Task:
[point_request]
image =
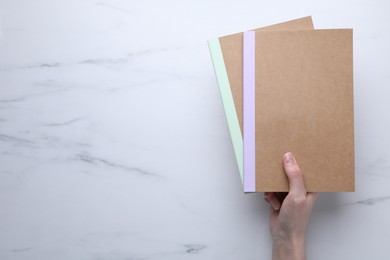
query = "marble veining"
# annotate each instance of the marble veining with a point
(373, 201)
(96, 61)
(99, 161)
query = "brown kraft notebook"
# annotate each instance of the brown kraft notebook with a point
(304, 105)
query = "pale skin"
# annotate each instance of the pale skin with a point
(289, 214)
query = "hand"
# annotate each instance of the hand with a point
(289, 214)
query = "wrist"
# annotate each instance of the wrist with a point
(292, 248)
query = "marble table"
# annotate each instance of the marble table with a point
(114, 144)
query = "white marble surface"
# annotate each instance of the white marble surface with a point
(114, 144)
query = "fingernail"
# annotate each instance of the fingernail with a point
(274, 206)
(288, 158)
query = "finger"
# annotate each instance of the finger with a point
(294, 174)
(273, 214)
(271, 198)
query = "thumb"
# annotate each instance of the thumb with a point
(294, 174)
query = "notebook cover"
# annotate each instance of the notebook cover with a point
(226, 54)
(304, 105)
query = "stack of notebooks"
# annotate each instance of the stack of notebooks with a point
(289, 88)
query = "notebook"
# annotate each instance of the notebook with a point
(227, 54)
(303, 103)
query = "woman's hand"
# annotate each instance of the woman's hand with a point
(290, 213)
